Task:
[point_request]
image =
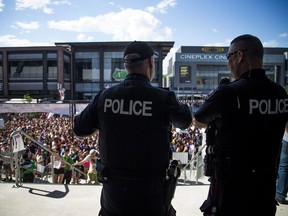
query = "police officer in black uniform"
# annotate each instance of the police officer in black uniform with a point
(134, 121)
(250, 115)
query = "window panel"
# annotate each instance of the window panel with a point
(25, 69)
(87, 67)
(208, 76)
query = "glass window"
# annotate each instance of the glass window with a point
(208, 76)
(52, 55)
(1, 77)
(156, 69)
(67, 68)
(25, 69)
(271, 71)
(25, 65)
(87, 87)
(1, 71)
(87, 66)
(24, 56)
(52, 69)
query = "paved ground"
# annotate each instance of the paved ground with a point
(51, 199)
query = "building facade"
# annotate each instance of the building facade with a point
(80, 70)
(197, 70)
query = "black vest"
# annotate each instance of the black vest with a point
(135, 135)
(258, 109)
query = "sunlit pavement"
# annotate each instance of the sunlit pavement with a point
(52, 199)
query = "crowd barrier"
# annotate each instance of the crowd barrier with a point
(17, 145)
(180, 156)
(195, 166)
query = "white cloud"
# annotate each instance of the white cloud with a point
(215, 30)
(2, 5)
(271, 43)
(43, 5)
(48, 10)
(12, 41)
(161, 6)
(62, 2)
(284, 35)
(31, 4)
(83, 37)
(28, 26)
(128, 24)
(111, 3)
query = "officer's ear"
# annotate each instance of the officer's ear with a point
(151, 62)
(240, 56)
(151, 67)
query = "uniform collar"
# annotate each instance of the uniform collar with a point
(137, 76)
(253, 73)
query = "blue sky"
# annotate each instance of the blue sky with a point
(187, 22)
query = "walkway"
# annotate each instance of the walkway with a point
(64, 200)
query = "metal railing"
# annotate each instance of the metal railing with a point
(197, 167)
(15, 160)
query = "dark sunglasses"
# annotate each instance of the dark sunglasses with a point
(228, 55)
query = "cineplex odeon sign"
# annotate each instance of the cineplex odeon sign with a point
(199, 56)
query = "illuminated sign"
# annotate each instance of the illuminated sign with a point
(185, 74)
(212, 49)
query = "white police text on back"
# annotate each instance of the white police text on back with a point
(268, 106)
(136, 107)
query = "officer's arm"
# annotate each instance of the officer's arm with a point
(211, 109)
(85, 122)
(180, 114)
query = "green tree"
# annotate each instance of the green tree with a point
(27, 98)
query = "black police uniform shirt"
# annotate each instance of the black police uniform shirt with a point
(134, 121)
(250, 115)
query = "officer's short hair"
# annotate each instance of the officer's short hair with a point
(250, 43)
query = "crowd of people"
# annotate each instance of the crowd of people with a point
(56, 134)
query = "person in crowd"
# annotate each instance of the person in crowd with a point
(282, 182)
(180, 146)
(68, 168)
(27, 168)
(40, 162)
(74, 154)
(248, 117)
(134, 157)
(5, 154)
(58, 167)
(91, 158)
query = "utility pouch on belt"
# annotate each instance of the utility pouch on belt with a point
(173, 174)
(102, 172)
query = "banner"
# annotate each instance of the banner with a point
(56, 108)
(18, 144)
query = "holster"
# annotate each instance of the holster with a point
(173, 173)
(208, 209)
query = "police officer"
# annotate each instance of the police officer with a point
(133, 119)
(250, 114)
